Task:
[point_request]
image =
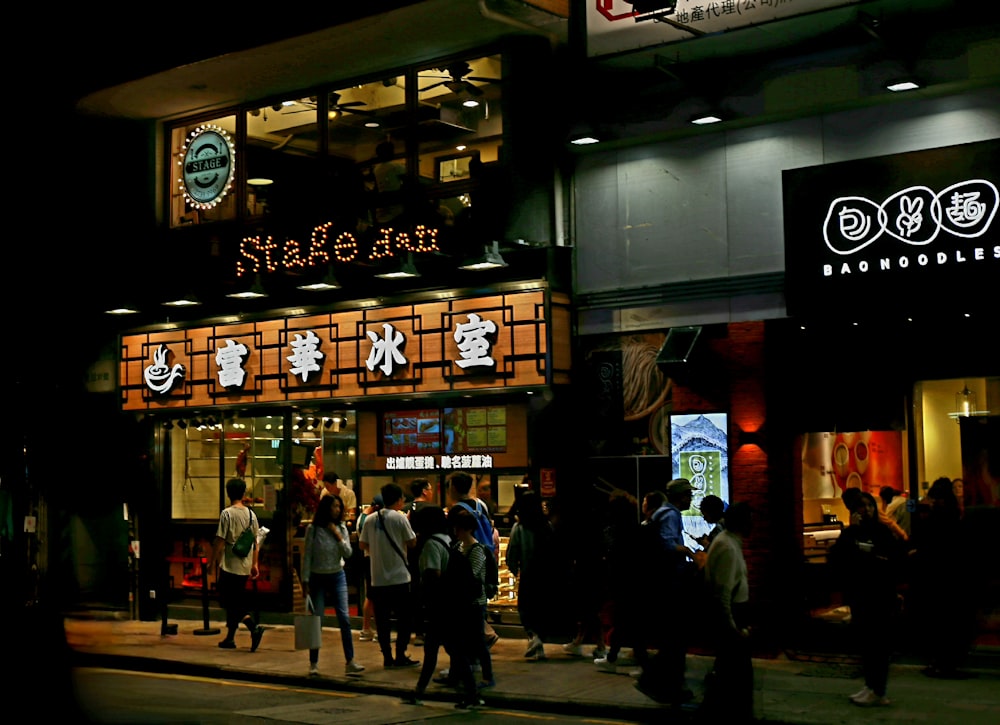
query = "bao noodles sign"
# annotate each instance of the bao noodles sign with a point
(880, 231)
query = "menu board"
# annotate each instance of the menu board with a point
(411, 433)
(475, 430)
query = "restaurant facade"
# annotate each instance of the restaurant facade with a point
(669, 303)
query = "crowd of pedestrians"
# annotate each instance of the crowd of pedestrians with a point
(429, 570)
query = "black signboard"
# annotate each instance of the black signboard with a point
(910, 233)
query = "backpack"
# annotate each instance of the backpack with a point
(460, 584)
(484, 535)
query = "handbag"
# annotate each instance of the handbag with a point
(245, 543)
(308, 628)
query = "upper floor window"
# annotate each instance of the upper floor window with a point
(398, 150)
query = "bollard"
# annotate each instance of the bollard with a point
(204, 600)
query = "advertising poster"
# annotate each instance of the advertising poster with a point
(869, 460)
(699, 451)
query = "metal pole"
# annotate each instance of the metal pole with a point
(204, 600)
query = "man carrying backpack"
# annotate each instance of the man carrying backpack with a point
(460, 488)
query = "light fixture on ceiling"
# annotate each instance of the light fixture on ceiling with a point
(705, 119)
(329, 282)
(255, 291)
(470, 103)
(965, 404)
(584, 139)
(260, 181)
(489, 259)
(403, 268)
(188, 300)
(122, 310)
(904, 84)
(372, 123)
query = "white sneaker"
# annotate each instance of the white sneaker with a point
(353, 668)
(535, 645)
(599, 653)
(367, 635)
(314, 669)
(603, 665)
(574, 650)
(860, 693)
(870, 699)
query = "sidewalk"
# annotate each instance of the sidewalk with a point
(787, 691)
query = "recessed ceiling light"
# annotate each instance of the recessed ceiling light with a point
(902, 86)
(705, 120)
(584, 140)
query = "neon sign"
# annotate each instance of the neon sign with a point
(262, 254)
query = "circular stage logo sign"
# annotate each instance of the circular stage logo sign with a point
(207, 166)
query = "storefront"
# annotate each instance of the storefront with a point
(415, 388)
(866, 371)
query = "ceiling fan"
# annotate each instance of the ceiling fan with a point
(458, 79)
(350, 107)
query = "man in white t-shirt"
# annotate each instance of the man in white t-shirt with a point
(386, 537)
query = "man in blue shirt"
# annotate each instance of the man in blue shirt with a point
(662, 676)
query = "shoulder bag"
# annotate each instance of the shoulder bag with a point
(245, 543)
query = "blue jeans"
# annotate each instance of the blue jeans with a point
(334, 587)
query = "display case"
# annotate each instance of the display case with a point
(506, 599)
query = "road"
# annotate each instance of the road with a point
(110, 697)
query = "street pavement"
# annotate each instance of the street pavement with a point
(787, 689)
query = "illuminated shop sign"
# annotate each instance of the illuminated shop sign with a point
(430, 463)
(889, 231)
(327, 245)
(207, 166)
(494, 342)
(621, 25)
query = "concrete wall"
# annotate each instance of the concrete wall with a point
(710, 206)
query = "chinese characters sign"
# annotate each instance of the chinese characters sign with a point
(869, 234)
(622, 25)
(491, 342)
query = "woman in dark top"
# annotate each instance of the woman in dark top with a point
(529, 552)
(868, 560)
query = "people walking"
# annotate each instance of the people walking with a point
(386, 535)
(867, 559)
(431, 526)
(234, 570)
(530, 551)
(469, 640)
(942, 591)
(671, 583)
(619, 612)
(327, 546)
(729, 686)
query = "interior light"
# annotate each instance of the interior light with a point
(906, 85)
(256, 291)
(705, 120)
(260, 181)
(123, 310)
(470, 103)
(584, 140)
(329, 282)
(188, 300)
(490, 259)
(401, 269)
(372, 124)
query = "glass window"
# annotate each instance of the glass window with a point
(282, 151)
